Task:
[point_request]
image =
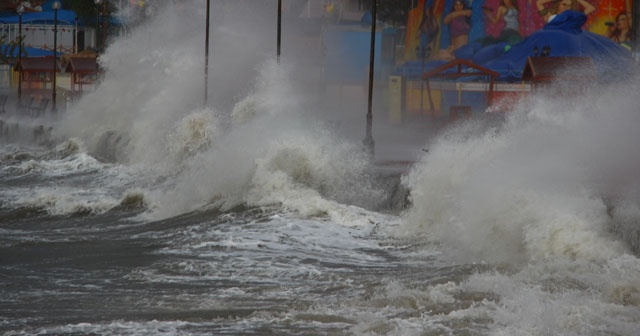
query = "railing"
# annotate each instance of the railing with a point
(41, 36)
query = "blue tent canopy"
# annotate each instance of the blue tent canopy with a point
(65, 17)
(563, 36)
(27, 51)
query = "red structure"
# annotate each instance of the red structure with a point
(36, 80)
(36, 73)
(84, 71)
(454, 70)
(541, 71)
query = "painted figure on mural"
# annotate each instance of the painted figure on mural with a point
(620, 31)
(459, 25)
(507, 14)
(428, 31)
(559, 6)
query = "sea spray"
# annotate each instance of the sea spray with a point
(530, 190)
(293, 166)
(147, 87)
(273, 153)
(195, 133)
(547, 200)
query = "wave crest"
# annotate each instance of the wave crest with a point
(525, 192)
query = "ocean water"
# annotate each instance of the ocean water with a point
(140, 212)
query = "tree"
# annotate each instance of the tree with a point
(9, 48)
(87, 10)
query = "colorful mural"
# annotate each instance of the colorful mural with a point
(436, 28)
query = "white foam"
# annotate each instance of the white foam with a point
(563, 298)
(65, 201)
(277, 157)
(539, 193)
(524, 192)
(153, 327)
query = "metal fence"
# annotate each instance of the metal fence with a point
(41, 36)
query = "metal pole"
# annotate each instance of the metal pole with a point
(97, 33)
(20, 56)
(206, 56)
(104, 24)
(368, 140)
(422, 57)
(279, 29)
(635, 28)
(75, 37)
(98, 17)
(53, 75)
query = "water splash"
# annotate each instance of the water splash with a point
(148, 87)
(277, 156)
(257, 146)
(536, 188)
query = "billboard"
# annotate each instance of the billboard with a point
(436, 28)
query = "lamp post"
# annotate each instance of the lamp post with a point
(97, 2)
(279, 39)
(206, 56)
(101, 13)
(368, 140)
(20, 10)
(56, 6)
(422, 53)
(75, 37)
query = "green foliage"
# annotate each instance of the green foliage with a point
(9, 48)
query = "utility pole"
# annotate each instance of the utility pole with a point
(56, 7)
(368, 140)
(279, 30)
(20, 10)
(206, 56)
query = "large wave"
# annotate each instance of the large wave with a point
(273, 154)
(543, 185)
(258, 145)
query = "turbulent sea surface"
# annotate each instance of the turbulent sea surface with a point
(139, 212)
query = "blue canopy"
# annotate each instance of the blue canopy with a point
(26, 51)
(65, 17)
(563, 36)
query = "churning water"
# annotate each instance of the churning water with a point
(144, 213)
